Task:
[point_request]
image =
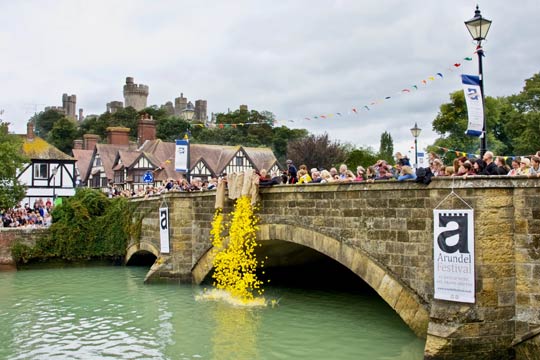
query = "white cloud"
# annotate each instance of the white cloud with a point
(297, 59)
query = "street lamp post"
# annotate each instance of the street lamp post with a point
(415, 131)
(478, 27)
(53, 178)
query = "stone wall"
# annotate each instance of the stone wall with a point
(9, 236)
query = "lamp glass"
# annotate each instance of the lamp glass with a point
(188, 114)
(415, 131)
(478, 26)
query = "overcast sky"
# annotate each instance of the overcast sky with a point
(297, 59)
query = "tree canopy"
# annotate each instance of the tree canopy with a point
(317, 151)
(62, 134)
(386, 149)
(512, 123)
(12, 160)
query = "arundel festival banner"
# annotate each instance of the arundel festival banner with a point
(453, 255)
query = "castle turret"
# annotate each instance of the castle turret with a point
(168, 107)
(180, 104)
(114, 106)
(200, 110)
(135, 95)
(71, 109)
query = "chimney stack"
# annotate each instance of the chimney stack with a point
(90, 141)
(78, 144)
(117, 135)
(30, 131)
(146, 129)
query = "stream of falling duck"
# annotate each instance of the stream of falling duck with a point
(235, 263)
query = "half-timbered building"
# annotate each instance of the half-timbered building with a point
(123, 164)
(50, 172)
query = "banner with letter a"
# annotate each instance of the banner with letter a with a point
(164, 230)
(453, 255)
(475, 108)
(181, 156)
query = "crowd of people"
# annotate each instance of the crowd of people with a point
(402, 170)
(39, 214)
(25, 216)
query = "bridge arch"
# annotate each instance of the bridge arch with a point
(400, 297)
(141, 247)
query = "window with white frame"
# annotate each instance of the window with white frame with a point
(41, 171)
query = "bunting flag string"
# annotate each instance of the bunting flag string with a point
(354, 110)
(368, 107)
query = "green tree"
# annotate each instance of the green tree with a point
(386, 149)
(316, 151)
(128, 117)
(451, 124)
(280, 139)
(522, 118)
(171, 128)
(44, 122)
(62, 134)
(12, 160)
(85, 226)
(362, 156)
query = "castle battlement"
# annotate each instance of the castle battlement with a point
(136, 89)
(135, 95)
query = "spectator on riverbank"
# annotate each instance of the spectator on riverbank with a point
(26, 216)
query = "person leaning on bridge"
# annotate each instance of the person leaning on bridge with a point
(534, 170)
(291, 172)
(515, 167)
(524, 167)
(491, 167)
(502, 167)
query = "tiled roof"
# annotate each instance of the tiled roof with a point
(162, 154)
(83, 157)
(128, 157)
(263, 158)
(107, 152)
(39, 149)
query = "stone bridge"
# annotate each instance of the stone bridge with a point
(383, 233)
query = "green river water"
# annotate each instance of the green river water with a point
(106, 312)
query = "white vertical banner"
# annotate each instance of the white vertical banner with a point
(453, 255)
(181, 156)
(164, 230)
(475, 107)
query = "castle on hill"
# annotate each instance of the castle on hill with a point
(136, 96)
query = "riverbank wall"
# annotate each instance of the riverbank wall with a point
(9, 236)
